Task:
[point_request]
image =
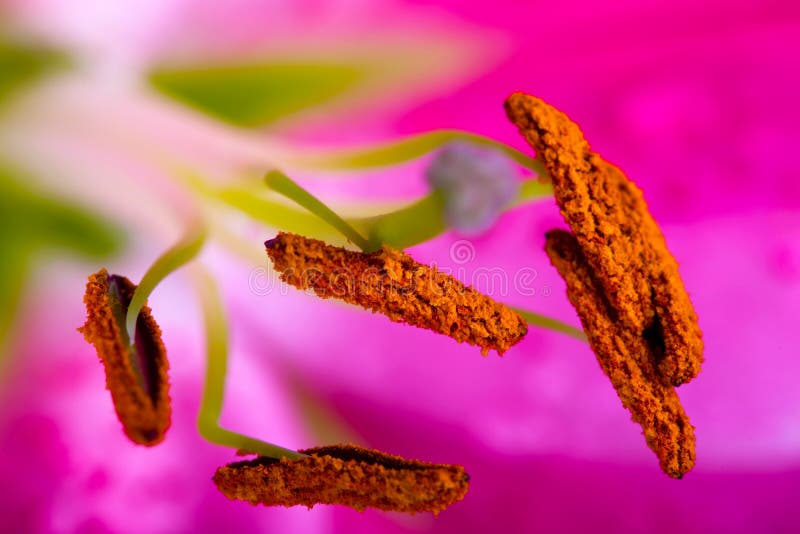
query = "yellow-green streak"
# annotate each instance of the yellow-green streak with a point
(423, 219)
(412, 147)
(414, 223)
(551, 324)
(267, 211)
(175, 257)
(216, 369)
(418, 222)
(284, 185)
(274, 213)
(533, 189)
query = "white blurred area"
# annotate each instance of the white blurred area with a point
(120, 39)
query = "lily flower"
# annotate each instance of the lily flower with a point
(166, 119)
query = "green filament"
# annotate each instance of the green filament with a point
(551, 324)
(216, 370)
(411, 147)
(175, 257)
(416, 223)
(284, 185)
(424, 219)
(535, 189)
(275, 214)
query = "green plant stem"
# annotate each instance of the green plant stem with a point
(276, 214)
(423, 219)
(406, 226)
(247, 200)
(551, 324)
(532, 189)
(411, 147)
(176, 256)
(216, 371)
(284, 185)
(415, 223)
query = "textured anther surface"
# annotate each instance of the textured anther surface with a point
(140, 390)
(392, 283)
(619, 239)
(346, 475)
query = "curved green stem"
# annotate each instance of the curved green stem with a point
(409, 225)
(551, 324)
(257, 207)
(411, 147)
(275, 214)
(423, 219)
(216, 370)
(415, 223)
(176, 256)
(284, 185)
(533, 189)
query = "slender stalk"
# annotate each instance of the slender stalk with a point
(551, 324)
(418, 222)
(415, 223)
(275, 214)
(182, 252)
(406, 226)
(284, 185)
(534, 189)
(216, 370)
(411, 147)
(424, 219)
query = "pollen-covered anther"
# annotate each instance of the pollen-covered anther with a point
(136, 373)
(345, 475)
(627, 359)
(618, 237)
(390, 282)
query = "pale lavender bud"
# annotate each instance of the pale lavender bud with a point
(477, 183)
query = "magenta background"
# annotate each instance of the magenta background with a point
(697, 104)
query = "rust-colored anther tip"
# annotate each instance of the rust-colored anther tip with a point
(627, 359)
(390, 282)
(346, 475)
(621, 242)
(135, 376)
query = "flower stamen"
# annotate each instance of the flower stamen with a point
(627, 359)
(619, 238)
(136, 373)
(345, 475)
(392, 283)
(216, 328)
(621, 279)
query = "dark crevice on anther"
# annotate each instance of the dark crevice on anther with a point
(144, 350)
(654, 337)
(345, 475)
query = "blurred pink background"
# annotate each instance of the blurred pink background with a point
(695, 101)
